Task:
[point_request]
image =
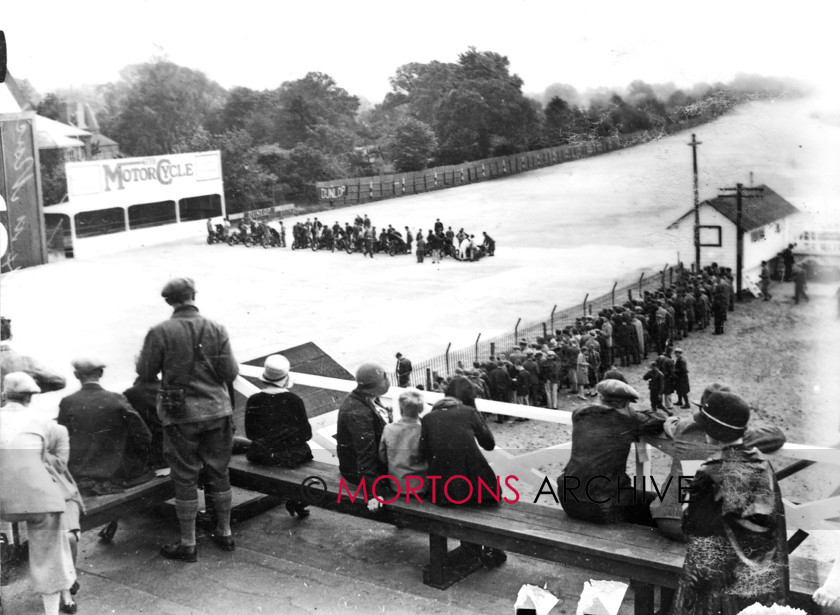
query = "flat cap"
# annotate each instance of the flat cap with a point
(20, 382)
(177, 286)
(616, 390)
(86, 365)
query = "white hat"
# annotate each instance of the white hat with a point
(20, 382)
(276, 371)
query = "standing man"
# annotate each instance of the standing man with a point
(403, 371)
(421, 249)
(194, 357)
(438, 226)
(800, 282)
(765, 281)
(489, 244)
(681, 384)
(369, 238)
(787, 259)
(408, 239)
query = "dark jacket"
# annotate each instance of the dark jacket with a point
(277, 425)
(359, 431)
(169, 349)
(601, 439)
(500, 384)
(109, 442)
(451, 435)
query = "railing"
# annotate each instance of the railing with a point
(445, 364)
(803, 517)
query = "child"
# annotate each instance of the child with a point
(735, 521)
(654, 378)
(399, 447)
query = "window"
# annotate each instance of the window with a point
(100, 222)
(710, 236)
(200, 207)
(146, 215)
(757, 235)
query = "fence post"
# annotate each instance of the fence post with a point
(554, 309)
(671, 276)
(493, 349)
(613, 293)
(428, 378)
(663, 276)
(476, 346)
(448, 346)
(641, 277)
(584, 303)
(545, 332)
(516, 331)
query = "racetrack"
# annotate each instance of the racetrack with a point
(561, 232)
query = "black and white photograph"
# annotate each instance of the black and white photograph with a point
(513, 306)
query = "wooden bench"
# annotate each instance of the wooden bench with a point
(107, 509)
(649, 561)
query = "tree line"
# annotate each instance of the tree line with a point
(277, 143)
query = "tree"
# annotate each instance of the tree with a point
(50, 106)
(411, 145)
(422, 87)
(164, 105)
(310, 103)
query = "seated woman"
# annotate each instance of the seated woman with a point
(451, 434)
(276, 424)
(735, 521)
(594, 485)
(690, 443)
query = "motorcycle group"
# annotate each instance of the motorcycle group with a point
(359, 237)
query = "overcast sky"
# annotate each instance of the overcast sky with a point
(66, 43)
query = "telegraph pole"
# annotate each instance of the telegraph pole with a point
(693, 145)
(739, 230)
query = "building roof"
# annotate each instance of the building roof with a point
(758, 210)
(52, 134)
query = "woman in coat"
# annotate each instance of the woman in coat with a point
(582, 373)
(451, 435)
(737, 551)
(277, 425)
(33, 489)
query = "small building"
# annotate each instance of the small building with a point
(765, 220)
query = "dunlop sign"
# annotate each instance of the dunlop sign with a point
(331, 193)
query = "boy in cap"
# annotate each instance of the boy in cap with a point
(399, 448)
(735, 521)
(193, 355)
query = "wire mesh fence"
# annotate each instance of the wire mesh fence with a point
(444, 365)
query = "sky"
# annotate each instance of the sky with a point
(58, 44)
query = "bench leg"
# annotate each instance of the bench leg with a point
(448, 567)
(666, 599)
(435, 574)
(643, 598)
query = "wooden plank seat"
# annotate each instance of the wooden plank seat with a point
(107, 509)
(639, 554)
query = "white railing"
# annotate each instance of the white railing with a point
(818, 514)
